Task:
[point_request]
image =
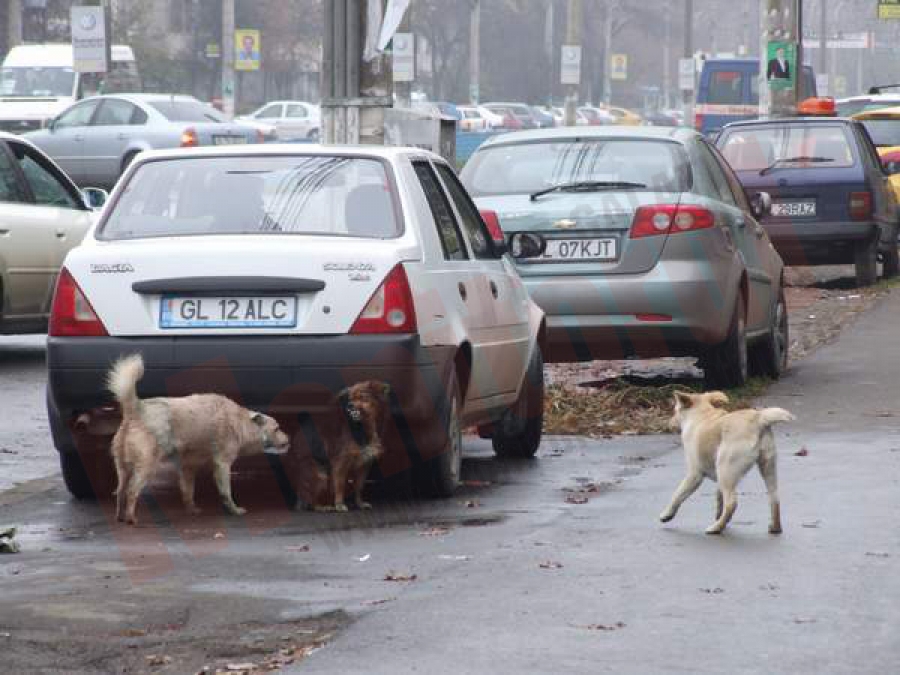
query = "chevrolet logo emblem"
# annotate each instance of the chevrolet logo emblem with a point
(565, 224)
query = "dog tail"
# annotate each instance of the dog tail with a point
(769, 416)
(122, 382)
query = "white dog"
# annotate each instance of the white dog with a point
(722, 446)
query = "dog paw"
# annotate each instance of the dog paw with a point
(341, 508)
(365, 506)
(714, 529)
(666, 516)
(773, 529)
(236, 510)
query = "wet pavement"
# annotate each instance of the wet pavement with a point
(554, 565)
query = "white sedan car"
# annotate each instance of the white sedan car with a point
(280, 274)
(293, 120)
(42, 216)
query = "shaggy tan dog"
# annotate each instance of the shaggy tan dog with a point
(194, 431)
(722, 446)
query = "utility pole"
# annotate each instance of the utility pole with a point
(14, 18)
(687, 96)
(475, 53)
(823, 41)
(573, 37)
(404, 89)
(780, 40)
(667, 66)
(228, 58)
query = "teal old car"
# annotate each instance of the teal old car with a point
(653, 248)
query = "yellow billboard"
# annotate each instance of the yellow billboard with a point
(246, 49)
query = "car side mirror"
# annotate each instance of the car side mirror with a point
(94, 198)
(524, 245)
(761, 204)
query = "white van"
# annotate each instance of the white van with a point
(38, 81)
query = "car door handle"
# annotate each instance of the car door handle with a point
(3, 231)
(494, 290)
(462, 290)
(60, 234)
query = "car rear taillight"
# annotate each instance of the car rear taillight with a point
(860, 205)
(72, 314)
(390, 309)
(189, 138)
(698, 121)
(650, 221)
(492, 222)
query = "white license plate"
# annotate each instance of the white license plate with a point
(581, 249)
(794, 209)
(228, 312)
(228, 140)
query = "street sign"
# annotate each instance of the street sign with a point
(686, 74)
(889, 9)
(89, 48)
(822, 84)
(571, 64)
(246, 49)
(618, 67)
(404, 46)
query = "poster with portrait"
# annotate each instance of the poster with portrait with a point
(781, 64)
(246, 49)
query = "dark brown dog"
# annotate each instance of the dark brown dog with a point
(352, 433)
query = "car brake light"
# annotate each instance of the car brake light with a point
(650, 221)
(390, 309)
(860, 205)
(492, 222)
(189, 138)
(71, 314)
(698, 121)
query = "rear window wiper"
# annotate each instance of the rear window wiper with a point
(587, 186)
(787, 160)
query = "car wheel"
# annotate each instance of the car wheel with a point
(518, 433)
(440, 475)
(890, 266)
(769, 358)
(725, 365)
(313, 136)
(865, 257)
(84, 482)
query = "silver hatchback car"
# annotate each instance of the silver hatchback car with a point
(653, 248)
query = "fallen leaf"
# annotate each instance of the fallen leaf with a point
(874, 554)
(606, 627)
(802, 452)
(576, 498)
(812, 524)
(303, 548)
(800, 619)
(133, 632)
(239, 667)
(373, 603)
(884, 413)
(394, 576)
(550, 565)
(713, 591)
(158, 660)
(436, 531)
(365, 557)
(459, 558)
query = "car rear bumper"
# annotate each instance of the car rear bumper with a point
(819, 243)
(283, 376)
(676, 309)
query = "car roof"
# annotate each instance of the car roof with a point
(793, 121)
(879, 113)
(676, 134)
(287, 149)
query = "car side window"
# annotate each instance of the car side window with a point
(296, 111)
(448, 230)
(270, 112)
(46, 186)
(113, 112)
(716, 175)
(76, 116)
(10, 187)
(479, 238)
(740, 196)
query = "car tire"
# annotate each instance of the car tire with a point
(769, 357)
(313, 136)
(440, 475)
(725, 366)
(84, 482)
(518, 433)
(865, 258)
(890, 266)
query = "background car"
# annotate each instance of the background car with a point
(874, 100)
(42, 216)
(883, 126)
(831, 201)
(471, 119)
(652, 247)
(624, 117)
(494, 120)
(596, 117)
(293, 120)
(543, 118)
(515, 115)
(94, 140)
(279, 275)
(580, 119)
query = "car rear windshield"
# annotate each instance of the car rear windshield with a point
(321, 195)
(884, 133)
(187, 111)
(525, 168)
(789, 147)
(726, 87)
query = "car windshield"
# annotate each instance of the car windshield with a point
(885, 132)
(526, 168)
(187, 111)
(37, 81)
(324, 195)
(788, 147)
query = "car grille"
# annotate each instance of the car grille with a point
(19, 126)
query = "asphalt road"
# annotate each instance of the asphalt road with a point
(513, 575)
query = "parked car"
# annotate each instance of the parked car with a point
(543, 118)
(883, 126)
(282, 274)
(515, 115)
(580, 119)
(494, 120)
(94, 140)
(471, 119)
(831, 201)
(875, 99)
(653, 249)
(596, 117)
(624, 117)
(293, 120)
(438, 109)
(659, 118)
(42, 216)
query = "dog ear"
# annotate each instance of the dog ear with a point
(257, 418)
(717, 398)
(683, 399)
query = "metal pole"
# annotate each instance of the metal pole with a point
(404, 89)
(687, 96)
(475, 52)
(823, 40)
(14, 36)
(781, 23)
(667, 65)
(228, 58)
(607, 55)
(573, 37)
